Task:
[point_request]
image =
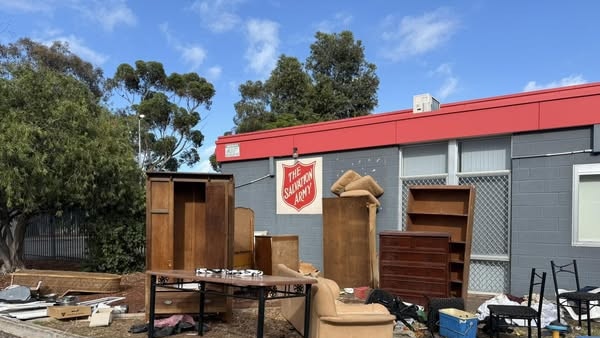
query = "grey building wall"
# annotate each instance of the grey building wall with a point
(542, 165)
(380, 163)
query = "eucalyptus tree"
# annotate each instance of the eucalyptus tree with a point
(168, 107)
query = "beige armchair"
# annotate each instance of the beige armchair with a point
(292, 309)
(331, 318)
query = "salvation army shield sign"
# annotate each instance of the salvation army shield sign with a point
(299, 188)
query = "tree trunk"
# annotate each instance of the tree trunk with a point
(12, 236)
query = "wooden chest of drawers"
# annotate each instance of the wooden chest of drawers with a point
(413, 264)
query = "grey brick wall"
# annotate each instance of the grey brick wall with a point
(380, 163)
(541, 206)
(540, 210)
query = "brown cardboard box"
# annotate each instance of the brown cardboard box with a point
(63, 312)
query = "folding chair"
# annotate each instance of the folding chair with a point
(500, 312)
(573, 299)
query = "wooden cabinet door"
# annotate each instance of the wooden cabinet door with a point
(159, 231)
(219, 225)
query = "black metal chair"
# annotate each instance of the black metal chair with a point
(573, 299)
(499, 312)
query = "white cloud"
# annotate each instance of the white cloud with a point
(412, 36)
(29, 6)
(107, 13)
(263, 39)
(192, 54)
(77, 46)
(339, 22)
(218, 15)
(206, 151)
(565, 81)
(214, 73)
(110, 16)
(204, 165)
(450, 81)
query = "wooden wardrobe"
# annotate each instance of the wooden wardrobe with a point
(189, 224)
(349, 235)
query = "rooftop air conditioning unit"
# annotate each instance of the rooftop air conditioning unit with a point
(425, 102)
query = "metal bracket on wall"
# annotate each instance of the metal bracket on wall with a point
(270, 174)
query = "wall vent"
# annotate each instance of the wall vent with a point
(425, 102)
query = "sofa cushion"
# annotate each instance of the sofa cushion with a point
(354, 193)
(366, 183)
(338, 186)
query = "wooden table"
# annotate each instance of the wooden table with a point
(266, 288)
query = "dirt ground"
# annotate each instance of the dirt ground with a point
(132, 288)
(243, 323)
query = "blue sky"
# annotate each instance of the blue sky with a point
(455, 50)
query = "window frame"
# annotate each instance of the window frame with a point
(579, 170)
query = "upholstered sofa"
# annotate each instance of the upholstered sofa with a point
(331, 318)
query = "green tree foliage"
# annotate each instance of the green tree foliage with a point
(290, 92)
(346, 85)
(335, 83)
(251, 111)
(170, 106)
(59, 148)
(58, 58)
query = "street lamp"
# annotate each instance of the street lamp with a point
(140, 117)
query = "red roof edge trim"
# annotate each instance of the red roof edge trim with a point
(479, 117)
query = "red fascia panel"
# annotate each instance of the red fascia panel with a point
(571, 112)
(468, 124)
(545, 109)
(524, 98)
(259, 148)
(357, 137)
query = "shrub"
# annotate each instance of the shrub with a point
(116, 246)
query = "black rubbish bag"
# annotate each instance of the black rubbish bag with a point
(395, 306)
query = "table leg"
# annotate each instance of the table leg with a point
(261, 312)
(151, 312)
(201, 312)
(589, 321)
(307, 292)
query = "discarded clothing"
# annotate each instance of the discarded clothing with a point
(174, 320)
(548, 309)
(172, 325)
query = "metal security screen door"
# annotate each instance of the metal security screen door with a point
(490, 262)
(484, 164)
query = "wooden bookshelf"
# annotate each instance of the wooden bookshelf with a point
(447, 209)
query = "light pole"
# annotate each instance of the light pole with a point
(140, 117)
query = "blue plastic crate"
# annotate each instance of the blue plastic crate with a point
(455, 323)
